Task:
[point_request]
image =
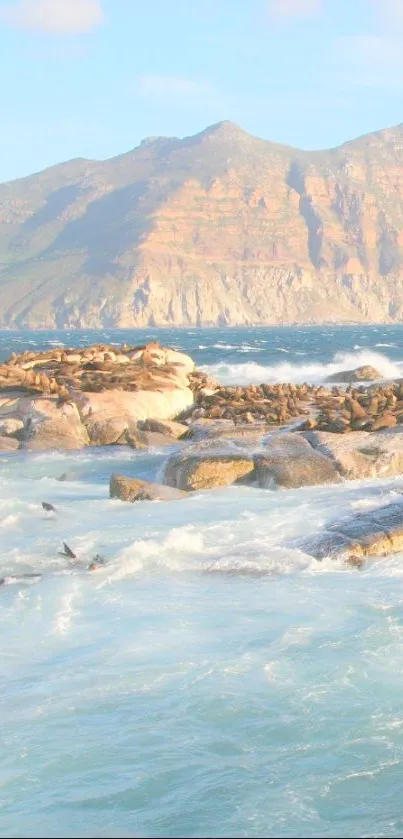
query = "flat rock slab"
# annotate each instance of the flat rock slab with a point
(377, 532)
(134, 489)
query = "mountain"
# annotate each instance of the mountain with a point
(220, 228)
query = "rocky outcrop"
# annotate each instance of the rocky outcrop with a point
(377, 532)
(290, 462)
(220, 228)
(94, 396)
(134, 489)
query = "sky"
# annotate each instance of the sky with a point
(92, 78)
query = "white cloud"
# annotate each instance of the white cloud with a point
(172, 87)
(57, 17)
(287, 10)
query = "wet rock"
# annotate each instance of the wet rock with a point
(290, 462)
(377, 532)
(208, 464)
(134, 489)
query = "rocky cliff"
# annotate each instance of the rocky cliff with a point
(220, 228)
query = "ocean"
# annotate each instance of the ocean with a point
(212, 680)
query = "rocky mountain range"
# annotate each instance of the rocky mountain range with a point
(221, 228)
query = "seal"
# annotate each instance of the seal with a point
(67, 551)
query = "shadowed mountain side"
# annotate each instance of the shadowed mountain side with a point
(219, 228)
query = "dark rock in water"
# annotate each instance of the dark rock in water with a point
(290, 462)
(134, 489)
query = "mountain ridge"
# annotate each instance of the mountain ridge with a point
(217, 228)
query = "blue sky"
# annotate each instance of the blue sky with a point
(91, 78)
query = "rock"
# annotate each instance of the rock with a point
(134, 489)
(10, 426)
(167, 427)
(8, 444)
(112, 431)
(362, 454)
(50, 427)
(360, 374)
(208, 464)
(135, 406)
(290, 462)
(377, 532)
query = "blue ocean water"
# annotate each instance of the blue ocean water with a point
(211, 680)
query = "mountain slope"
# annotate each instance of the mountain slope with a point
(220, 228)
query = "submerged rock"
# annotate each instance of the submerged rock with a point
(134, 489)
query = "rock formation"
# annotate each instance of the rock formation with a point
(220, 228)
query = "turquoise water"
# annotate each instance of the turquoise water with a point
(211, 680)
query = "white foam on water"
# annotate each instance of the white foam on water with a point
(253, 373)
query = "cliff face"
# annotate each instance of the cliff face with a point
(220, 228)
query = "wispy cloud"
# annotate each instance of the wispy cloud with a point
(57, 17)
(161, 87)
(284, 11)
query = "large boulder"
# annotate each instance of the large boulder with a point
(208, 464)
(289, 461)
(377, 532)
(134, 489)
(366, 373)
(362, 454)
(163, 403)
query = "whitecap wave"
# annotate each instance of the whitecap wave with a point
(314, 372)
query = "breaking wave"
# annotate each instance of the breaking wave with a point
(313, 372)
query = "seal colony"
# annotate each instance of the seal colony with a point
(104, 395)
(283, 436)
